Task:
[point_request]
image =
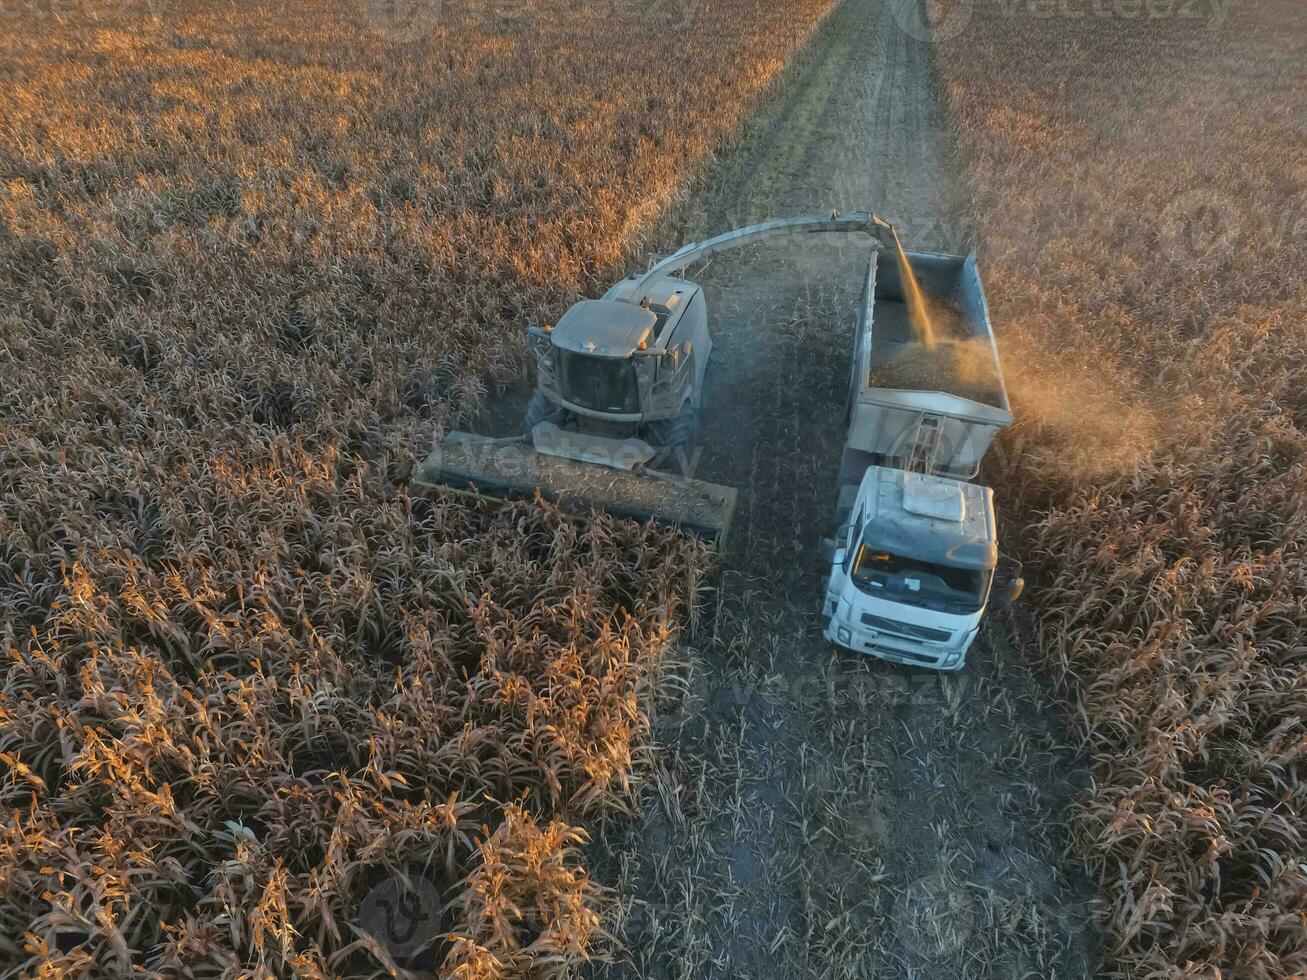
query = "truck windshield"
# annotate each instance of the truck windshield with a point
(602, 384)
(919, 583)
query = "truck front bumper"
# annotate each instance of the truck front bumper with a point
(896, 649)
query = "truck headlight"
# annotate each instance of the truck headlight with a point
(844, 634)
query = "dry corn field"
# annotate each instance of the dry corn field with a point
(1141, 182)
(252, 258)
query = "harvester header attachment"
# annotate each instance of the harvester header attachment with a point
(511, 469)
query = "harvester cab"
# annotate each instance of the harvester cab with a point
(619, 382)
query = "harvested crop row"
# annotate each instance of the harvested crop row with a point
(1142, 184)
(251, 258)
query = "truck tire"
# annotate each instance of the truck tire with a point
(675, 438)
(540, 409)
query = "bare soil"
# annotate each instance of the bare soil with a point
(815, 813)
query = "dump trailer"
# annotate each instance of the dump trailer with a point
(613, 421)
(914, 557)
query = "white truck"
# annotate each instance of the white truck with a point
(913, 562)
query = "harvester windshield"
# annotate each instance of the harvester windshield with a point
(601, 384)
(920, 583)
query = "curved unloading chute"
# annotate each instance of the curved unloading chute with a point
(849, 223)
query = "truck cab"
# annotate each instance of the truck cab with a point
(911, 569)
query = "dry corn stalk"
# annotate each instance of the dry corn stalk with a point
(250, 266)
(1172, 587)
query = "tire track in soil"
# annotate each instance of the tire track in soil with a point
(815, 813)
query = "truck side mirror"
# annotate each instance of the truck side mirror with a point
(1009, 572)
(832, 552)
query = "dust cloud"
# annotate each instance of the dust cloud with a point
(1087, 420)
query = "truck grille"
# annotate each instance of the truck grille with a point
(905, 629)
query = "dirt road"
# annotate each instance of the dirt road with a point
(815, 813)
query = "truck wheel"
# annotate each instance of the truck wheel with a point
(675, 437)
(540, 409)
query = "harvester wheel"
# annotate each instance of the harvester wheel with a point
(541, 409)
(674, 438)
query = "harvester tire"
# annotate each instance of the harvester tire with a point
(540, 409)
(674, 438)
